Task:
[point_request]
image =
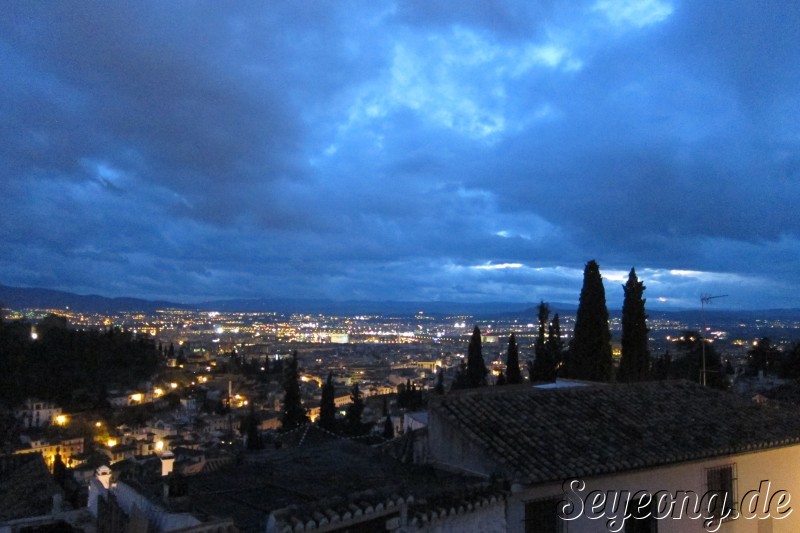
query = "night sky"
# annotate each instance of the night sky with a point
(408, 150)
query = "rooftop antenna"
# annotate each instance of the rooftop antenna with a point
(705, 299)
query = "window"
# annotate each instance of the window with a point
(721, 487)
(541, 516)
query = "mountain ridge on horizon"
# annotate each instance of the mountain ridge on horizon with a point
(41, 298)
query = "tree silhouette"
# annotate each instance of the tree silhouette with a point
(761, 357)
(476, 368)
(688, 362)
(635, 362)
(543, 368)
(293, 414)
(352, 417)
(791, 363)
(388, 428)
(513, 375)
(327, 405)
(252, 433)
(461, 379)
(554, 347)
(590, 350)
(439, 388)
(542, 313)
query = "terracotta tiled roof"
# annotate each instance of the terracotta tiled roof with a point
(547, 435)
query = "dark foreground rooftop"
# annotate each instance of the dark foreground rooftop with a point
(537, 436)
(328, 482)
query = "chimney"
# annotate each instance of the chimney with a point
(57, 504)
(167, 462)
(103, 475)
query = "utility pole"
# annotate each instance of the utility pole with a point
(705, 299)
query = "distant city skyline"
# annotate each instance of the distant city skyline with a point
(403, 151)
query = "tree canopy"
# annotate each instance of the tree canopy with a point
(70, 367)
(293, 414)
(476, 368)
(513, 375)
(590, 350)
(635, 362)
(327, 405)
(543, 367)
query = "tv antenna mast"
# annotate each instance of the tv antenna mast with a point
(705, 299)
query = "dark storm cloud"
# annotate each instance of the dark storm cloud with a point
(408, 150)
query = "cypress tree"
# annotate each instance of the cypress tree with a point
(543, 368)
(59, 468)
(590, 350)
(327, 406)
(635, 362)
(253, 439)
(501, 379)
(388, 428)
(439, 388)
(554, 348)
(352, 417)
(461, 379)
(293, 414)
(543, 313)
(476, 368)
(513, 374)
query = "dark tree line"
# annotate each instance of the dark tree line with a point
(549, 349)
(71, 367)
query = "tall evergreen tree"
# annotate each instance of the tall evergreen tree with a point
(352, 417)
(513, 374)
(439, 388)
(327, 406)
(293, 414)
(461, 379)
(59, 468)
(554, 348)
(388, 428)
(590, 350)
(542, 314)
(253, 440)
(761, 357)
(635, 362)
(476, 368)
(543, 368)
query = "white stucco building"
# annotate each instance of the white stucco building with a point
(658, 446)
